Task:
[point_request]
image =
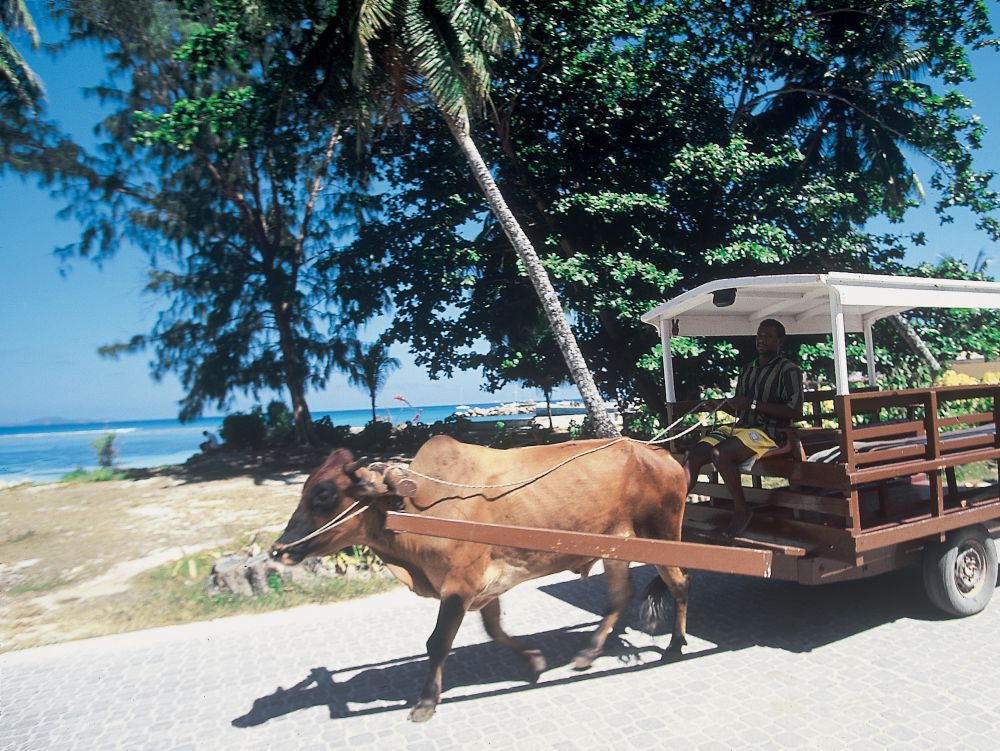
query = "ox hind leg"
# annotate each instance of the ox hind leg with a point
(450, 616)
(616, 575)
(653, 612)
(491, 621)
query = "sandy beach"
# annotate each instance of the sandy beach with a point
(75, 556)
(70, 552)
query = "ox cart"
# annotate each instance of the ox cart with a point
(869, 485)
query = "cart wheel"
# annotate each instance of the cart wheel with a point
(960, 574)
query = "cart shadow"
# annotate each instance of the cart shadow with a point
(394, 684)
(737, 612)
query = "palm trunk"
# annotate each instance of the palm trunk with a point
(561, 330)
(373, 407)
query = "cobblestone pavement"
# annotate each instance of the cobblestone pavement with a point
(769, 664)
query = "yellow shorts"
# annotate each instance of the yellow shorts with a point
(753, 438)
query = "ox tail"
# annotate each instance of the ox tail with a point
(655, 608)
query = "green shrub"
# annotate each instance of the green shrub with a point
(240, 431)
(106, 450)
(374, 436)
(101, 474)
(579, 431)
(280, 423)
(333, 435)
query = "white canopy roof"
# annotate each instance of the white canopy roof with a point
(803, 302)
(833, 303)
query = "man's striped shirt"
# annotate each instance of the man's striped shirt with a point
(776, 382)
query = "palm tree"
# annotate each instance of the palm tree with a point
(368, 367)
(443, 47)
(20, 88)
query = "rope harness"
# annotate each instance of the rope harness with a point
(353, 510)
(657, 439)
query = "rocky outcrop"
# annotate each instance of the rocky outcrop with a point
(248, 573)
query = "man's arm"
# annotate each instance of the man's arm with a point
(739, 402)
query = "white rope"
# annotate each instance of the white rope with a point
(499, 486)
(342, 517)
(351, 511)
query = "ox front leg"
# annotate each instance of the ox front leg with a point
(450, 616)
(491, 622)
(616, 576)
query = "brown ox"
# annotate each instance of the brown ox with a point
(626, 489)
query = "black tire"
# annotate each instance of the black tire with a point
(960, 573)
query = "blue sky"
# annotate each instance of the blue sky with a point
(52, 323)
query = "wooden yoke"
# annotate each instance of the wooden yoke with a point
(395, 478)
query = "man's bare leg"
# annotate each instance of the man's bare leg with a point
(727, 457)
(699, 455)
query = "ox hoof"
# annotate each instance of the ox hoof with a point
(673, 652)
(422, 712)
(536, 663)
(584, 659)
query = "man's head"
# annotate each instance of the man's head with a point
(770, 337)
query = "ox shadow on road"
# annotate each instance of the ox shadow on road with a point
(487, 667)
(729, 612)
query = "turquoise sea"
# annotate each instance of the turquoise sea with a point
(44, 453)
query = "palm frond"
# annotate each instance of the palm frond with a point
(18, 82)
(907, 65)
(14, 16)
(374, 18)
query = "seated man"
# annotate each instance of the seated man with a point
(211, 443)
(768, 397)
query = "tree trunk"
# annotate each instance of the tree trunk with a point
(561, 331)
(304, 433)
(373, 406)
(912, 338)
(294, 379)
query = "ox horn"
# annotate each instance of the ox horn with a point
(352, 467)
(395, 478)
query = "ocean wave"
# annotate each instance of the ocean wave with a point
(67, 433)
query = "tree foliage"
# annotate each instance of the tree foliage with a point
(650, 148)
(231, 179)
(645, 147)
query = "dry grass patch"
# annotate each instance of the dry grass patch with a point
(89, 559)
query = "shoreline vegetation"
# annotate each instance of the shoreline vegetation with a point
(83, 559)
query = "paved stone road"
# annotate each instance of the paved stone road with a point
(773, 665)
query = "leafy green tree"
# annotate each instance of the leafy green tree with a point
(645, 147)
(405, 54)
(368, 368)
(532, 359)
(233, 196)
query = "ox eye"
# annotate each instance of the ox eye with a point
(325, 495)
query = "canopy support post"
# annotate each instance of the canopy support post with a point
(870, 353)
(668, 361)
(838, 330)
